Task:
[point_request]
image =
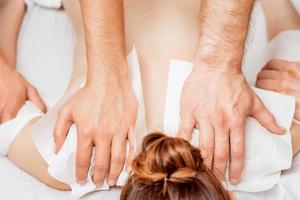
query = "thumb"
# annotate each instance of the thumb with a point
(265, 117)
(62, 126)
(34, 96)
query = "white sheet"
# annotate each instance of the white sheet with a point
(49, 26)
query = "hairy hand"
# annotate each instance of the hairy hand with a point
(283, 77)
(105, 117)
(14, 91)
(218, 102)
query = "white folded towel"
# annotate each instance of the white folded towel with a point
(53, 4)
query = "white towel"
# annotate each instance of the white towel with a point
(53, 4)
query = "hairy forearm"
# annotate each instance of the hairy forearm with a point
(105, 39)
(11, 15)
(224, 27)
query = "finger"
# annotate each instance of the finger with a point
(237, 152)
(117, 159)
(268, 84)
(269, 74)
(206, 141)
(275, 64)
(221, 153)
(187, 125)
(83, 157)
(10, 111)
(265, 118)
(62, 126)
(36, 99)
(294, 89)
(102, 156)
(131, 152)
(232, 196)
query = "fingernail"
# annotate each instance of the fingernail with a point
(82, 182)
(234, 181)
(111, 182)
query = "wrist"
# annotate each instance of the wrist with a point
(108, 78)
(3, 64)
(219, 57)
(6, 70)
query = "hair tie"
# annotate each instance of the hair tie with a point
(166, 179)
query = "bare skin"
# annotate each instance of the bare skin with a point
(14, 89)
(141, 31)
(278, 19)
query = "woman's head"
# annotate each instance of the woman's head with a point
(170, 168)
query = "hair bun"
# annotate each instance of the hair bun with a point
(183, 175)
(164, 157)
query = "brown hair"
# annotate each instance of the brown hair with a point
(170, 168)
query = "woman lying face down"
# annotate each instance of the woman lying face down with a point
(171, 168)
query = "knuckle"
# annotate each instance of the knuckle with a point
(237, 154)
(220, 122)
(221, 157)
(237, 121)
(113, 174)
(207, 148)
(100, 167)
(205, 155)
(293, 66)
(270, 120)
(237, 140)
(64, 111)
(113, 130)
(86, 131)
(82, 164)
(284, 85)
(118, 160)
(285, 75)
(235, 170)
